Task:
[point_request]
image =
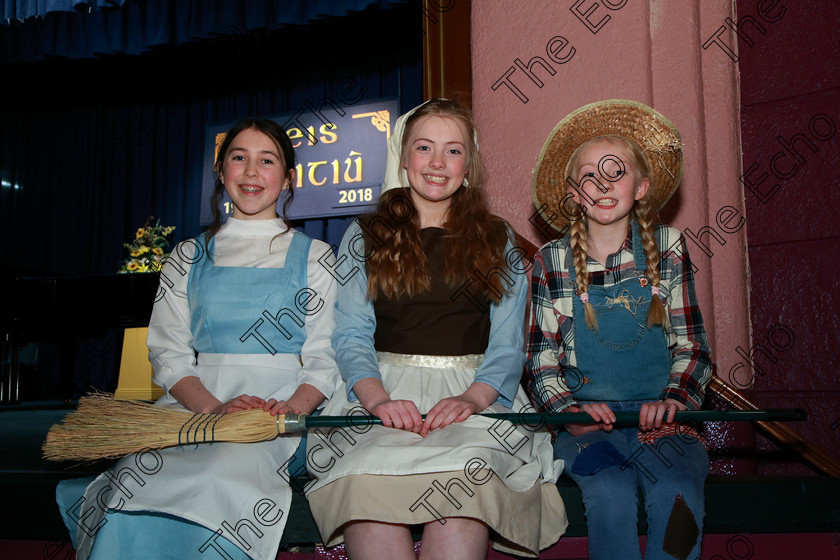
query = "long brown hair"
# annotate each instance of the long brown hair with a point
(475, 238)
(657, 315)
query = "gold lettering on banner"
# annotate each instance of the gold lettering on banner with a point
(335, 167)
(312, 166)
(380, 119)
(299, 175)
(219, 139)
(308, 173)
(328, 137)
(358, 177)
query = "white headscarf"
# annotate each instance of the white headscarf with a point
(395, 175)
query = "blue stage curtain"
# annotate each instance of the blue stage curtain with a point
(89, 149)
(138, 26)
(24, 9)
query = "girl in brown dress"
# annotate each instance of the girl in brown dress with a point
(430, 320)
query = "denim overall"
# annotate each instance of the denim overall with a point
(624, 363)
(623, 359)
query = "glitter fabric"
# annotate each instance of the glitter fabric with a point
(338, 552)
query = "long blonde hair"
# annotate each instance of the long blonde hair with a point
(657, 314)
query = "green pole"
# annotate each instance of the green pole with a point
(535, 420)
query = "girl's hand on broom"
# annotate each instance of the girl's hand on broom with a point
(242, 402)
(450, 410)
(599, 412)
(399, 414)
(652, 414)
(275, 407)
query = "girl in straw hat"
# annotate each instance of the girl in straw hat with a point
(214, 350)
(615, 326)
(430, 320)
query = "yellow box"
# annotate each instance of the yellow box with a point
(135, 380)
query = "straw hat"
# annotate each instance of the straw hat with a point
(658, 138)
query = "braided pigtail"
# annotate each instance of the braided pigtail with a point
(578, 242)
(657, 314)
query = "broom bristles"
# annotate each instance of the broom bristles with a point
(103, 427)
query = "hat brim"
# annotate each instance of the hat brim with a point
(657, 136)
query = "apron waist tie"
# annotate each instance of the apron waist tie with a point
(468, 361)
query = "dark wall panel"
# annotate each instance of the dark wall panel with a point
(790, 95)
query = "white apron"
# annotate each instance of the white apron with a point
(470, 453)
(240, 491)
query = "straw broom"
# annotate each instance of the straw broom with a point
(103, 427)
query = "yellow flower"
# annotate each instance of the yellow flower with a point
(148, 250)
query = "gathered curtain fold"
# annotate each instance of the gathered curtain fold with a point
(34, 30)
(20, 10)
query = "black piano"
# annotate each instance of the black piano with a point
(64, 310)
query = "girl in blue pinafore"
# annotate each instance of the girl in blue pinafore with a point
(615, 326)
(242, 320)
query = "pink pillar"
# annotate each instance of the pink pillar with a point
(526, 78)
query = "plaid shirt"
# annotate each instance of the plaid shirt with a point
(551, 344)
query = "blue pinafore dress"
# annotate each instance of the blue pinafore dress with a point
(227, 500)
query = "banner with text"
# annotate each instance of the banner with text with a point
(340, 155)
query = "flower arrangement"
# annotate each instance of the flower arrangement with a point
(147, 251)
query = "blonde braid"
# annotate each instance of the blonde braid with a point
(657, 315)
(578, 242)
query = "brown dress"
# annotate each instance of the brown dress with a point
(429, 348)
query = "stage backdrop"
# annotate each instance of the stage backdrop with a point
(90, 149)
(340, 146)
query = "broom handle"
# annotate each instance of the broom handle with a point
(538, 418)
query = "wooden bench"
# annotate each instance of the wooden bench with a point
(734, 504)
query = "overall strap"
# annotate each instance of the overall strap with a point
(639, 258)
(202, 264)
(298, 254)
